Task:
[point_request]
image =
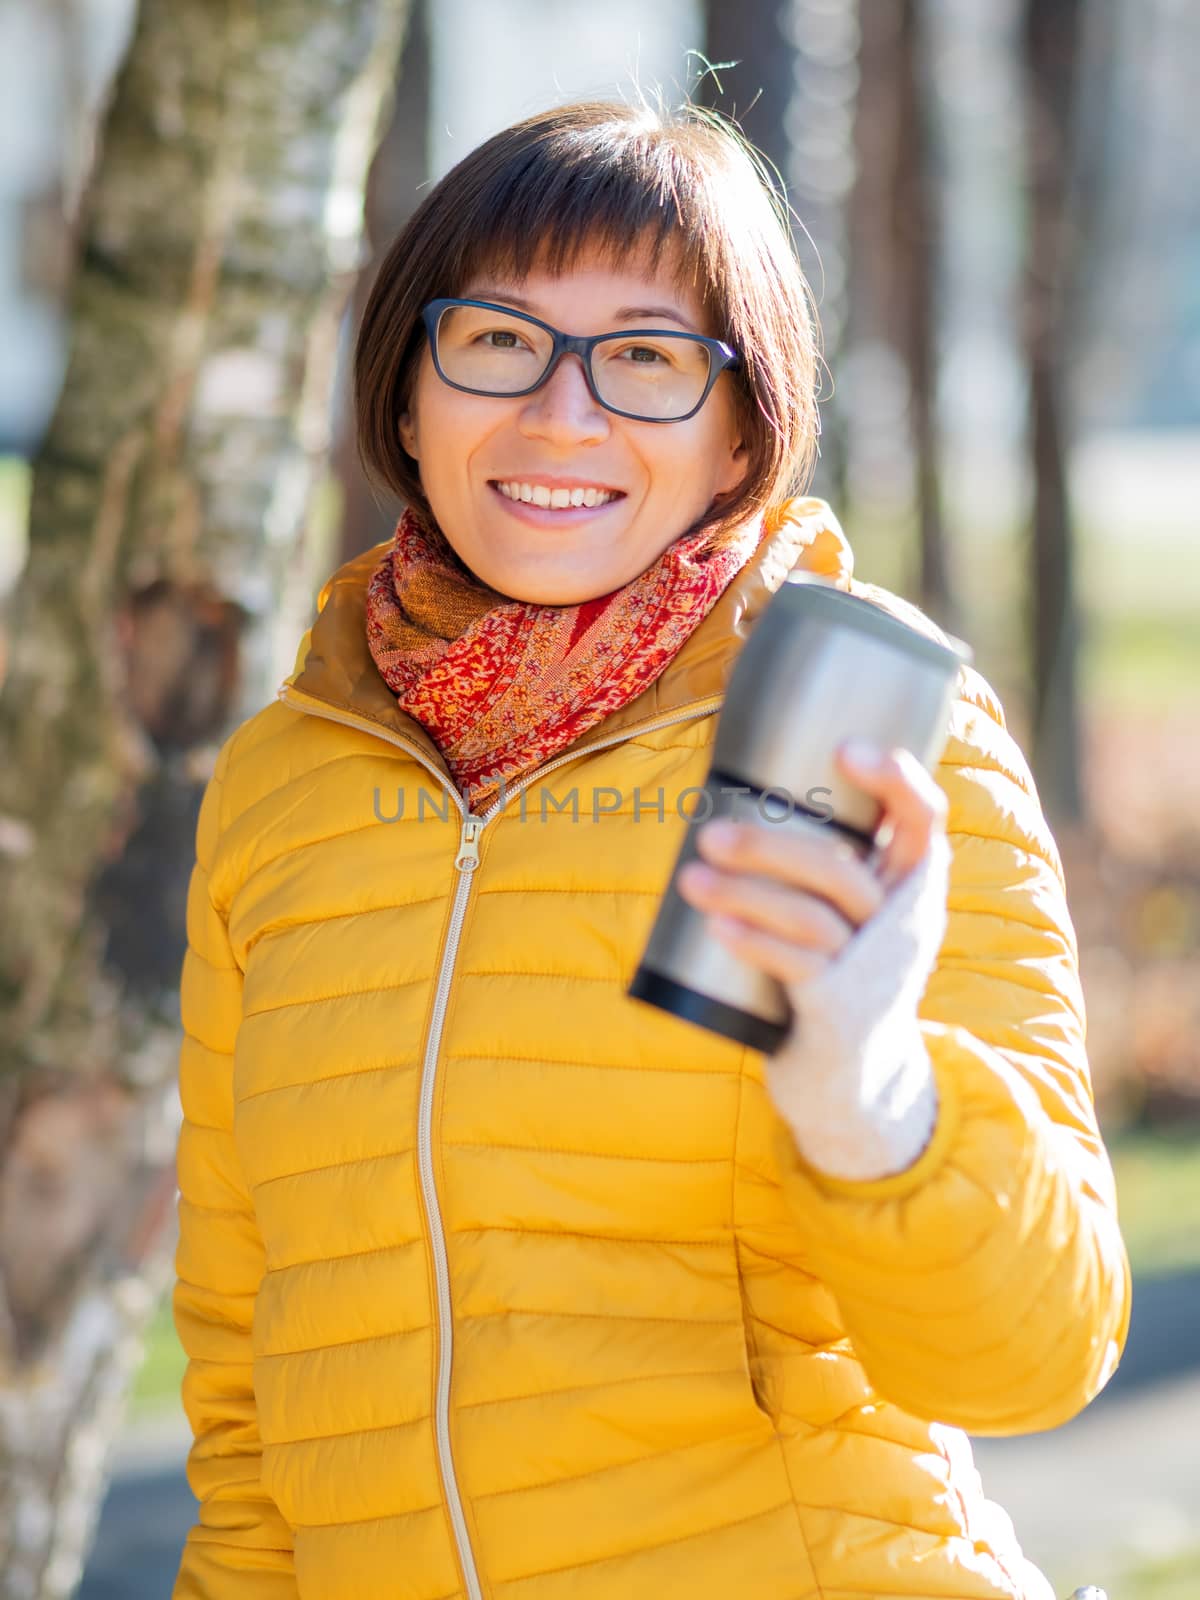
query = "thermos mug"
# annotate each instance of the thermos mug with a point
(820, 666)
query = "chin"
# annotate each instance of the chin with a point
(540, 585)
(551, 594)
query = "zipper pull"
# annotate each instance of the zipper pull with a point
(467, 858)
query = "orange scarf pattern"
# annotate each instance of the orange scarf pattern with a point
(504, 685)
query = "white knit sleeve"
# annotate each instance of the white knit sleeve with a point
(853, 1080)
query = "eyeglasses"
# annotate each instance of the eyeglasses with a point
(649, 374)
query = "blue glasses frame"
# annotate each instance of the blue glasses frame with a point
(721, 356)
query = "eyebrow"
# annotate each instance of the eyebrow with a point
(623, 314)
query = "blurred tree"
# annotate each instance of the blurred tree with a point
(895, 256)
(754, 76)
(788, 71)
(400, 166)
(167, 501)
(1052, 33)
(915, 223)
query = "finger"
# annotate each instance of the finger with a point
(778, 958)
(769, 907)
(914, 803)
(813, 859)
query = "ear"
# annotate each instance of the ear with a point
(733, 472)
(408, 433)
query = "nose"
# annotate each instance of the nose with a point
(562, 411)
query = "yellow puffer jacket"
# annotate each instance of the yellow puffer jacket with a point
(498, 1283)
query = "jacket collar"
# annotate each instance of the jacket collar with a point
(334, 665)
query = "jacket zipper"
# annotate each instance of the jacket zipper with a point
(465, 864)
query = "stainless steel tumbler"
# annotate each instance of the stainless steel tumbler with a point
(820, 666)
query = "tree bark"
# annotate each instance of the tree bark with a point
(217, 237)
(1052, 36)
(400, 166)
(793, 90)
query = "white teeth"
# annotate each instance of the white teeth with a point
(559, 499)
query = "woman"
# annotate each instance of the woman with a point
(495, 1281)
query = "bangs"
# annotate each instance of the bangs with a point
(599, 193)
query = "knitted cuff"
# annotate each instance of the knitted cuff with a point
(846, 1135)
(854, 1081)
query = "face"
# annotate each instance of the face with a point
(662, 477)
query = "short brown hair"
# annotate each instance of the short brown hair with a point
(608, 175)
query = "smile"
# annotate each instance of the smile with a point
(561, 497)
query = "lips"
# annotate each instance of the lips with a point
(548, 517)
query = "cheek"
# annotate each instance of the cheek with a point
(691, 457)
(450, 427)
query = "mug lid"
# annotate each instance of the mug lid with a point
(823, 598)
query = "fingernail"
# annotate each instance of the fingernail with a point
(862, 752)
(695, 875)
(721, 833)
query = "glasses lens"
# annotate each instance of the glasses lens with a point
(491, 351)
(660, 375)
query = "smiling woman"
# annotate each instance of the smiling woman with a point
(595, 225)
(491, 407)
(493, 1281)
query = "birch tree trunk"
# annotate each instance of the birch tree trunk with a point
(393, 192)
(217, 238)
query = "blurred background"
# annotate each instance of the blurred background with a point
(998, 206)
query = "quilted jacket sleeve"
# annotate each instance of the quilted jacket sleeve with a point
(987, 1285)
(240, 1548)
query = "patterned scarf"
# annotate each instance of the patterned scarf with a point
(503, 685)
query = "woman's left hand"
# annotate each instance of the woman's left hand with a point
(852, 1077)
(789, 901)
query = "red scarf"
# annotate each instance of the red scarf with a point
(503, 685)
